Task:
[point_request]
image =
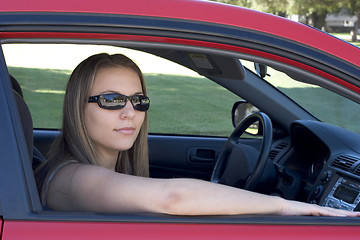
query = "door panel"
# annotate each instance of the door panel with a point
(170, 156)
(183, 156)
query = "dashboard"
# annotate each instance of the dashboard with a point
(324, 162)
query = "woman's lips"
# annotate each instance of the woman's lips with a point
(125, 130)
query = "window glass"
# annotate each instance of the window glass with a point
(182, 102)
(189, 105)
(325, 105)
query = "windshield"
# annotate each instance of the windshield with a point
(323, 104)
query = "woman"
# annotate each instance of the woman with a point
(100, 161)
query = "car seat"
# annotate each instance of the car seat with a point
(27, 124)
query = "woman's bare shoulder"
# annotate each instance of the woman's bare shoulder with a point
(69, 181)
(88, 187)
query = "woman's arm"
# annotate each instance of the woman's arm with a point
(91, 188)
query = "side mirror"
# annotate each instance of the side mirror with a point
(240, 111)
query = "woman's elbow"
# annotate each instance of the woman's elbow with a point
(177, 200)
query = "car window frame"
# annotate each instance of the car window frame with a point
(16, 178)
(89, 216)
(27, 208)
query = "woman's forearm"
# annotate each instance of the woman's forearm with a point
(197, 197)
(90, 188)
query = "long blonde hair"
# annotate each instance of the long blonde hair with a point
(74, 142)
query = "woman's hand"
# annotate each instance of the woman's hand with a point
(298, 208)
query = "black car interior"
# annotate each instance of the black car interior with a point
(313, 162)
(27, 124)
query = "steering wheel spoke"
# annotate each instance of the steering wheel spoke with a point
(233, 146)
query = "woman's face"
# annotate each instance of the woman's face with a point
(114, 130)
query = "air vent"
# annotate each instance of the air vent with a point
(357, 171)
(273, 154)
(344, 162)
(277, 149)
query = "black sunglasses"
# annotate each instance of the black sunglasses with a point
(113, 101)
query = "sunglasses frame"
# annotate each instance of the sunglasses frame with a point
(139, 107)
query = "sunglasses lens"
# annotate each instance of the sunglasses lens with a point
(118, 101)
(140, 102)
(112, 101)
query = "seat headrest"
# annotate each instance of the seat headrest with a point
(16, 86)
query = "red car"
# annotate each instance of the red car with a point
(294, 91)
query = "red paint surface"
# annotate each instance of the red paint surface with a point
(195, 10)
(1, 226)
(177, 41)
(16, 230)
(191, 10)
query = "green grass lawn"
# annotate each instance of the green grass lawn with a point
(189, 104)
(179, 104)
(43, 91)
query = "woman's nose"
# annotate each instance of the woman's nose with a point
(127, 111)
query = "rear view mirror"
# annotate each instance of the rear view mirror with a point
(261, 70)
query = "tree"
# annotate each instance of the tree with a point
(276, 7)
(269, 6)
(315, 11)
(241, 3)
(353, 6)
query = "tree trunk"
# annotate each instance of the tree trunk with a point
(318, 19)
(355, 33)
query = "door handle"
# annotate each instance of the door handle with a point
(202, 155)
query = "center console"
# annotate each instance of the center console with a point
(337, 191)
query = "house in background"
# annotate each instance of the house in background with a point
(340, 22)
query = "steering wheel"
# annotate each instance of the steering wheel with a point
(243, 155)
